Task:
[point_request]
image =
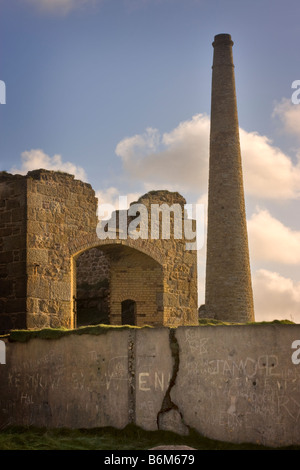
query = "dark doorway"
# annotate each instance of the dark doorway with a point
(92, 288)
(128, 312)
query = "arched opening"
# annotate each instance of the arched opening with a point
(128, 312)
(92, 288)
(106, 280)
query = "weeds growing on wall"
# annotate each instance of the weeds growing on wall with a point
(55, 333)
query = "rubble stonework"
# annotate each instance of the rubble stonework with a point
(48, 220)
(92, 287)
(12, 251)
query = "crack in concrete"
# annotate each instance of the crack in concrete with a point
(167, 403)
(168, 406)
(131, 377)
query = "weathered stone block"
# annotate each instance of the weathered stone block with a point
(38, 287)
(6, 257)
(60, 291)
(37, 256)
(16, 305)
(171, 420)
(6, 288)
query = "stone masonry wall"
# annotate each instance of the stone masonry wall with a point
(92, 287)
(180, 296)
(92, 266)
(228, 290)
(12, 252)
(60, 211)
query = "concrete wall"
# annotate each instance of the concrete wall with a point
(232, 383)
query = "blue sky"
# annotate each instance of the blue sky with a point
(118, 92)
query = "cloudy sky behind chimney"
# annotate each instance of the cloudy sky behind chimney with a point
(117, 92)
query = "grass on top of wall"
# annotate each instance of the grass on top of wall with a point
(55, 333)
(214, 322)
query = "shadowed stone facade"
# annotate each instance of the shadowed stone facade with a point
(13, 230)
(93, 269)
(49, 219)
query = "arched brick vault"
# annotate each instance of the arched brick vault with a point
(92, 241)
(132, 275)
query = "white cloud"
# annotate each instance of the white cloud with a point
(35, 159)
(268, 172)
(58, 6)
(133, 149)
(270, 240)
(275, 297)
(110, 198)
(179, 160)
(289, 114)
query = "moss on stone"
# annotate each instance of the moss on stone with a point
(280, 322)
(23, 336)
(214, 322)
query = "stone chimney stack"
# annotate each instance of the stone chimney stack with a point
(228, 278)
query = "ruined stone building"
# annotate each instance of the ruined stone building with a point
(55, 271)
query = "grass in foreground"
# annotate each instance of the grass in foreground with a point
(129, 438)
